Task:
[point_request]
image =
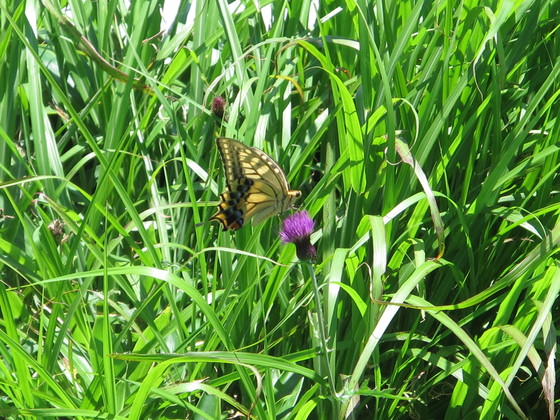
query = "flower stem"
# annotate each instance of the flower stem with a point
(325, 363)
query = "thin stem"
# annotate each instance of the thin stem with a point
(322, 336)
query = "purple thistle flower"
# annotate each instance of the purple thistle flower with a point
(297, 229)
(218, 106)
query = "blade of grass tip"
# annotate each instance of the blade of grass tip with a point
(404, 152)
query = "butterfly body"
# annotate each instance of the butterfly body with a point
(256, 186)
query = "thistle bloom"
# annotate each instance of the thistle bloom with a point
(297, 229)
(218, 106)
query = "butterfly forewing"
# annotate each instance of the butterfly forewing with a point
(256, 186)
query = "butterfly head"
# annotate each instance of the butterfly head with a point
(291, 198)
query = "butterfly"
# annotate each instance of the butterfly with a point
(256, 186)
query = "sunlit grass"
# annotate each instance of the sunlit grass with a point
(424, 138)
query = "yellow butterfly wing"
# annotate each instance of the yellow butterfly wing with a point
(256, 186)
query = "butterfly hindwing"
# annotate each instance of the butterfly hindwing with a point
(256, 186)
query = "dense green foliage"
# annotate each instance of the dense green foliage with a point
(424, 137)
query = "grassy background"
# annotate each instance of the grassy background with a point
(424, 137)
